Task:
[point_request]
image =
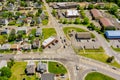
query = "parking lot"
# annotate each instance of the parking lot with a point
(85, 43)
(115, 43)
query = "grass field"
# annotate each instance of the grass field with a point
(100, 56)
(97, 76)
(18, 72)
(47, 32)
(56, 68)
(67, 29)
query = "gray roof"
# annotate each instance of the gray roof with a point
(38, 31)
(5, 46)
(3, 63)
(83, 35)
(30, 67)
(47, 76)
(41, 67)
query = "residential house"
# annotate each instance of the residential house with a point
(83, 35)
(10, 6)
(3, 63)
(5, 47)
(5, 31)
(30, 68)
(96, 14)
(37, 5)
(3, 21)
(36, 44)
(71, 13)
(41, 67)
(47, 76)
(66, 5)
(106, 24)
(24, 29)
(38, 32)
(14, 47)
(26, 46)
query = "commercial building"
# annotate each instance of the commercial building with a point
(96, 14)
(113, 34)
(48, 41)
(83, 35)
(71, 13)
(106, 24)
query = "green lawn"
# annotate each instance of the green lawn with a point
(97, 76)
(47, 32)
(18, 72)
(45, 22)
(56, 68)
(100, 56)
(68, 29)
(116, 49)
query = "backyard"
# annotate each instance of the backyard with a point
(97, 76)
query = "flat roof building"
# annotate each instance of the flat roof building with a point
(96, 14)
(113, 34)
(71, 13)
(48, 41)
(83, 35)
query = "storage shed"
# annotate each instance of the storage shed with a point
(113, 34)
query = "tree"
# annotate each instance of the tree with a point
(5, 71)
(40, 11)
(65, 21)
(2, 39)
(78, 7)
(110, 59)
(91, 26)
(11, 63)
(90, 6)
(113, 9)
(54, 12)
(86, 20)
(12, 36)
(77, 21)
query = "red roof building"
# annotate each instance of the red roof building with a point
(96, 14)
(105, 22)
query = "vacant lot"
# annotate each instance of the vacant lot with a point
(97, 76)
(56, 68)
(47, 32)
